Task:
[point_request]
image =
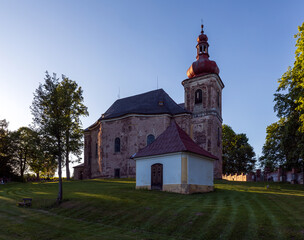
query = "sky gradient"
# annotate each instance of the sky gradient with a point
(109, 47)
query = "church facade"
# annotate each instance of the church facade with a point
(132, 123)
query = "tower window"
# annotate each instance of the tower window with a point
(200, 49)
(117, 145)
(198, 96)
(150, 139)
(205, 48)
(218, 99)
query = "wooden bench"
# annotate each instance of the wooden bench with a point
(27, 202)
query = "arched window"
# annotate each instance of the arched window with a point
(205, 49)
(117, 145)
(96, 150)
(198, 96)
(150, 139)
(218, 99)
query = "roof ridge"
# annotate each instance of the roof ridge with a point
(179, 133)
(173, 139)
(160, 90)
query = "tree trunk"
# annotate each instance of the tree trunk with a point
(67, 164)
(21, 168)
(67, 160)
(59, 198)
(303, 172)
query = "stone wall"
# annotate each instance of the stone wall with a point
(206, 123)
(292, 176)
(132, 132)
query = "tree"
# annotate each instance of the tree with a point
(287, 145)
(73, 109)
(238, 154)
(273, 152)
(22, 147)
(42, 162)
(5, 151)
(55, 114)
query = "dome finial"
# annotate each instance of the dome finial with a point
(202, 26)
(202, 65)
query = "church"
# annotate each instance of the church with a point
(132, 123)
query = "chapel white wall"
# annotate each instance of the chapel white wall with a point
(171, 169)
(200, 170)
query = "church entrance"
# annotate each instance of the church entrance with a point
(157, 176)
(117, 172)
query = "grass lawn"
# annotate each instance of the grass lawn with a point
(113, 209)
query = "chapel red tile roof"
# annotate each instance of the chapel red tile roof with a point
(173, 139)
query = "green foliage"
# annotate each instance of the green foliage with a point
(22, 144)
(238, 154)
(273, 154)
(73, 109)
(6, 169)
(56, 108)
(292, 81)
(285, 139)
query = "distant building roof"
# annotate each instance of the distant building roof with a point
(173, 139)
(153, 102)
(79, 166)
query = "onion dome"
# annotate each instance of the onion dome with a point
(202, 65)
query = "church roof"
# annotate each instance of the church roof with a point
(153, 102)
(173, 139)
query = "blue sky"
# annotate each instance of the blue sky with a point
(110, 45)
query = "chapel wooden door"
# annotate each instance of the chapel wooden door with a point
(157, 176)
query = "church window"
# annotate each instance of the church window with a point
(96, 150)
(117, 144)
(218, 99)
(200, 47)
(198, 96)
(150, 139)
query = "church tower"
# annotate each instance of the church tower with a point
(203, 98)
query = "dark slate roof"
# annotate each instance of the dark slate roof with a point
(182, 105)
(79, 166)
(153, 102)
(173, 139)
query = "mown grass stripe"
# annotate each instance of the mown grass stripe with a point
(252, 228)
(116, 211)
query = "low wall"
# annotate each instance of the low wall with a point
(241, 177)
(277, 176)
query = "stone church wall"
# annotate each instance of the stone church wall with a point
(132, 132)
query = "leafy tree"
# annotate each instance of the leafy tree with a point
(286, 146)
(56, 110)
(5, 151)
(48, 115)
(22, 147)
(273, 153)
(73, 109)
(42, 161)
(238, 154)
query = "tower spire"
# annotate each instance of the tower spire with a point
(202, 65)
